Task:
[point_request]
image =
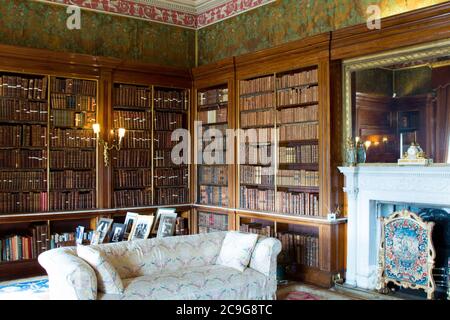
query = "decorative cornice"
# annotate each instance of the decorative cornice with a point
(173, 13)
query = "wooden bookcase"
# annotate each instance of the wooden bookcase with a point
(170, 112)
(132, 164)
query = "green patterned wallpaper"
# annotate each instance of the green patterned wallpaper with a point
(288, 20)
(40, 25)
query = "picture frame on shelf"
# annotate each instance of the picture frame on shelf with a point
(142, 227)
(79, 234)
(167, 222)
(158, 215)
(96, 235)
(117, 232)
(130, 220)
(103, 226)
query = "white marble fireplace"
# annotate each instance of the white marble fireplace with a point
(369, 184)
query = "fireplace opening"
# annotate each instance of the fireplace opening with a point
(441, 242)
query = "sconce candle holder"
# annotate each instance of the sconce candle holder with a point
(106, 146)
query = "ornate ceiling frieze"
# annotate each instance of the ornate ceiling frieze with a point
(193, 14)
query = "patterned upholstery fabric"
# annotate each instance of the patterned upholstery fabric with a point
(69, 277)
(181, 267)
(144, 257)
(237, 249)
(108, 280)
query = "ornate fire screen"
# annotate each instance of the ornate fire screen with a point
(406, 255)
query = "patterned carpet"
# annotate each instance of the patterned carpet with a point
(37, 289)
(25, 289)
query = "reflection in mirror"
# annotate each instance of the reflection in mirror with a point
(399, 104)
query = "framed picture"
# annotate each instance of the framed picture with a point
(142, 228)
(117, 232)
(103, 226)
(158, 214)
(167, 223)
(130, 220)
(79, 234)
(96, 237)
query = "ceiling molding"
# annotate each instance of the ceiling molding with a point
(192, 14)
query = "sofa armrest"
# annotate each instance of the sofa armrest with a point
(70, 277)
(264, 257)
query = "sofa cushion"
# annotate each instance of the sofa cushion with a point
(237, 250)
(212, 282)
(145, 257)
(108, 279)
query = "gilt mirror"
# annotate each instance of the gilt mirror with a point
(397, 98)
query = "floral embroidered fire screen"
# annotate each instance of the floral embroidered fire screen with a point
(406, 255)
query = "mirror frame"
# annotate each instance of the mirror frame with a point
(430, 50)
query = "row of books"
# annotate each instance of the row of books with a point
(132, 198)
(132, 120)
(310, 113)
(168, 121)
(163, 158)
(171, 176)
(137, 139)
(23, 159)
(261, 118)
(23, 180)
(256, 199)
(257, 135)
(140, 178)
(170, 196)
(72, 159)
(23, 202)
(73, 200)
(64, 118)
(132, 159)
(256, 154)
(298, 96)
(131, 96)
(20, 87)
(298, 79)
(257, 175)
(302, 249)
(213, 96)
(257, 85)
(301, 204)
(213, 175)
(173, 100)
(299, 132)
(303, 154)
(21, 110)
(72, 138)
(212, 222)
(298, 178)
(257, 228)
(23, 136)
(75, 102)
(74, 86)
(69, 179)
(213, 195)
(163, 140)
(213, 116)
(257, 102)
(28, 246)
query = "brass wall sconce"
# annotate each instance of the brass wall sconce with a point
(106, 146)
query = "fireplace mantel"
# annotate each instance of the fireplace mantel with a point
(370, 183)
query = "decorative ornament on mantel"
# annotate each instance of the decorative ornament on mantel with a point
(415, 156)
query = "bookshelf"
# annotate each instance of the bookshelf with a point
(72, 147)
(132, 165)
(212, 175)
(170, 112)
(257, 102)
(23, 143)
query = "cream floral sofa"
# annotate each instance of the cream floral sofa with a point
(174, 268)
